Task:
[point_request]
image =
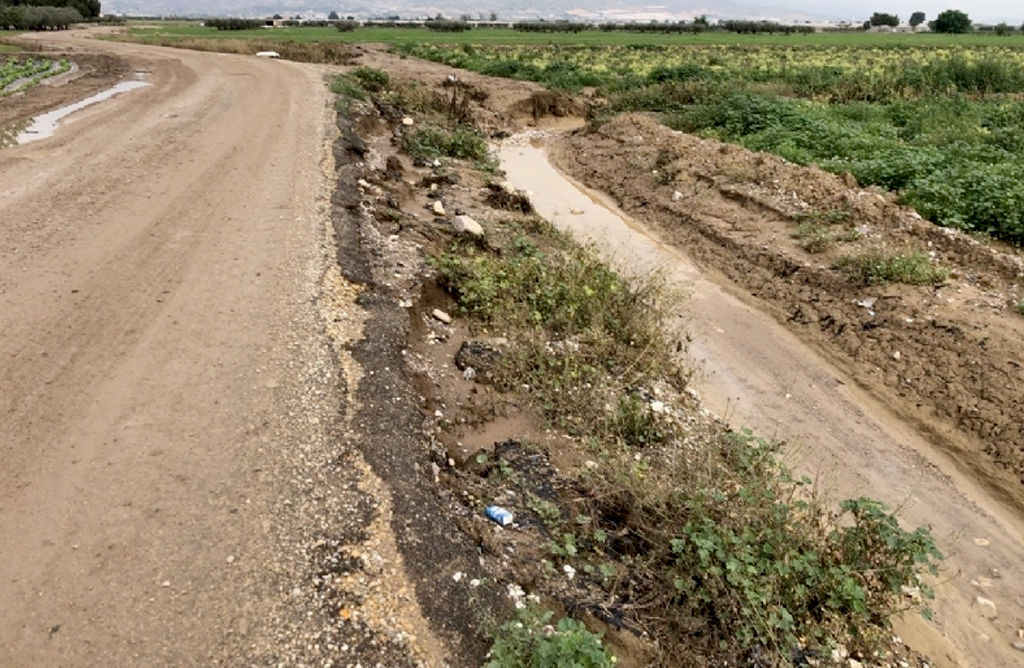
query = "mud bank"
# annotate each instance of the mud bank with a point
(947, 357)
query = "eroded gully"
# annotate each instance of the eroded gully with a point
(754, 373)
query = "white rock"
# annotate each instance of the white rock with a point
(576, 212)
(407, 121)
(986, 607)
(657, 407)
(1018, 644)
(268, 54)
(896, 356)
(438, 208)
(854, 663)
(466, 225)
(676, 196)
(442, 316)
(363, 183)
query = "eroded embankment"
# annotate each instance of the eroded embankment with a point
(945, 356)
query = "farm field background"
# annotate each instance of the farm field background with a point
(936, 118)
(941, 124)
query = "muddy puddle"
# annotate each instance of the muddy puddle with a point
(45, 125)
(754, 373)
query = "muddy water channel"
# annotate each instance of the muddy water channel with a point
(754, 373)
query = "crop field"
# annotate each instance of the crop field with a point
(942, 125)
(20, 73)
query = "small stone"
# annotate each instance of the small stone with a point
(854, 663)
(407, 121)
(676, 196)
(231, 559)
(466, 225)
(1018, 645)
(657, 407)
(438, 208)
(982, 542)
(442, 316)
(165, 583)
(896, 356)
(576, 212)
(986, 607)
(364, 184)
(469, 373)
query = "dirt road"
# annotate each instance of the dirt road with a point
(165, 380)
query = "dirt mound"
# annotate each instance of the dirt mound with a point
(945, 354)
(95, 72)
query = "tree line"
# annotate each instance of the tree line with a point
(46, 14)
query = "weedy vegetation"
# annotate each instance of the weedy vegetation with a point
(676, 527)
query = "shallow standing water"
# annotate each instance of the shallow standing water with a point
(45, 125)
(755, 373)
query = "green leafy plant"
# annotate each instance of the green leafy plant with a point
(530, 640)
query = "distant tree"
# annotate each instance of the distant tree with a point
(86, 8)
(916, 19)
(701, 20)
(494, 16)
(333, 16)
(866, 25)
(951, 21)
(1002, 29)
(277, 17)
(882, 19)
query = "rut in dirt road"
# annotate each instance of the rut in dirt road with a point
(170, 403)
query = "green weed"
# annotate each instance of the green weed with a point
(874, 268)
(462, 142)
(531, 639)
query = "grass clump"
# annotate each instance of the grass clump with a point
(347, 89)
(815, 233)
(463, 142)
(580, 327)
(875, 268)
(371, 78)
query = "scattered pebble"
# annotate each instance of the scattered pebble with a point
(442, 316)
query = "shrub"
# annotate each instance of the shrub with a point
(371, 78)
(234, 24)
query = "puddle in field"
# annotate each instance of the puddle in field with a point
(756, 374)
(45, 125)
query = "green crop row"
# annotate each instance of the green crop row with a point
(14, 69)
